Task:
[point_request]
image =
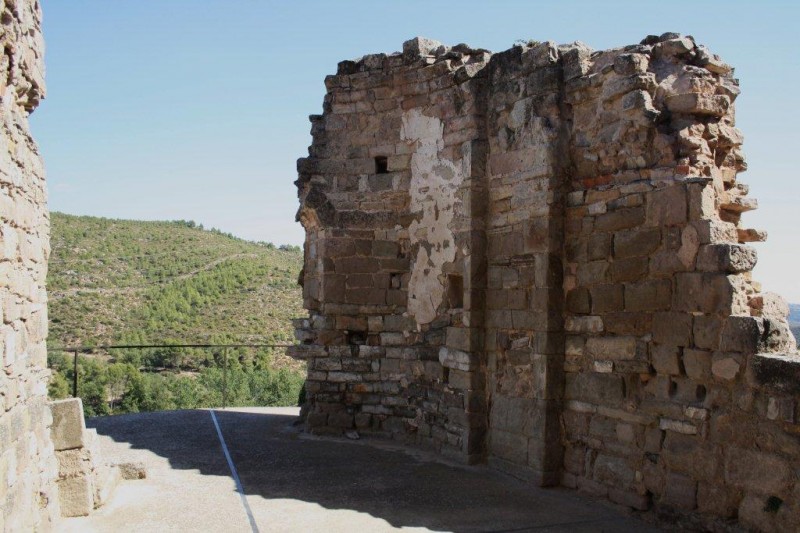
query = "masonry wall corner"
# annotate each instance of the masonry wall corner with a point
(536, 258)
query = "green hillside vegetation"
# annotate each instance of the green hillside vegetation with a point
(133, 282)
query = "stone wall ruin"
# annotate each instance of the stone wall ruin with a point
(28, 467)
(536, 259)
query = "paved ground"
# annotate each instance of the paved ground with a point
(294, 482)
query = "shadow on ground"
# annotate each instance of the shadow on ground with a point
(406, 489)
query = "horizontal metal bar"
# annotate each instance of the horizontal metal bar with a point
(89, 349)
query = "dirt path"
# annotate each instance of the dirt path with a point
(72, 291)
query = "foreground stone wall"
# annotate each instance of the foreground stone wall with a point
(27, 462)
(536, 259)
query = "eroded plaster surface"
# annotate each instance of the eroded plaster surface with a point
(434, 182)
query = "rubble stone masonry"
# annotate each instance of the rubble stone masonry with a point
(536, 259)
(28, 498)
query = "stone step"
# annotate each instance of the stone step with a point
(106, 479)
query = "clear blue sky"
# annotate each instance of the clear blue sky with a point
(197, 109)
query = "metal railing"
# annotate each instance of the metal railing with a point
(76, 351)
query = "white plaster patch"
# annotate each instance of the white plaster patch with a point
(434, 182)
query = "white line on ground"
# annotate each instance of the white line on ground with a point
(235, 474)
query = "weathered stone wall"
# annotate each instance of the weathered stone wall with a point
(551, 275)
(524, 325)
(663, 319)
(27, 461)
(389, 274)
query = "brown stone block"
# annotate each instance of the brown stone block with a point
(672, 328)
(599, 246)
(666, 359)
(652, 295)
(395, 265)
(607, 299)
(636, 242)
(705, 293)
(615, 471)
(630, 269)
(680, 492)
(509, 446)
(611, 347)
(667, 207)
(606, 389)
(356, 265)
(621, 219)
(466, 339)
(336, 248)
(741, 334)
(385, 249)
(593, 273)
(351, 323)
(699, 104)
(628, 323)
(363, 247)
(707, 330)
(397, 297)
(757, 471)
(359, 280)
(366, 296)
(459, 379)
(579, 301)
(729, 258)
(697, 364)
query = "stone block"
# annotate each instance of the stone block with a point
(611, 347)
(628, 323)
(620, 219)
(778, 372)
(652, 295)
(703, 293)
(671, 328)
(584, 324)
(614, 471)
(741, 334)
(680, 492)
(667, 207)
(74, 462)
(726, 366)
(465, 339)
(706, 331)
(778, 337)
(630, 269)
(76, 496)
(457, 359)
(604, 389)
(607, 299)
(636, 242)
(69, 429)
(666, 359)
(699, 104)
(757, 471)
(697, 364)
(579, 301)
(729, 258)
(509, 446)
(629, 498)
(715, 499)
(420, 47)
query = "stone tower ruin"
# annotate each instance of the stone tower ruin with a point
(537, 259)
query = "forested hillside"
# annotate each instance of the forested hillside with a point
(134, 282)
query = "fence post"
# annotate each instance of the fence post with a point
(75, 376)
(225, 378)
